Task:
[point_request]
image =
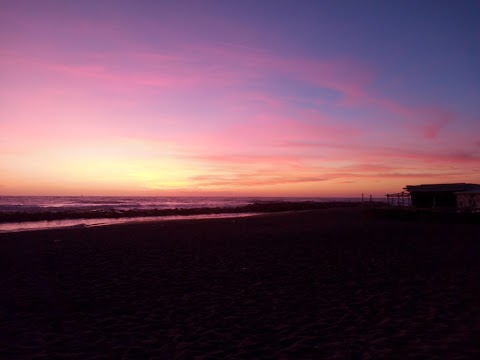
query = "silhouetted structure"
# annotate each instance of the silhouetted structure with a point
(432, 196)
(399, 199)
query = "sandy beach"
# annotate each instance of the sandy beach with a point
(321, 284)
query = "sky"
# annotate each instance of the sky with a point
(237, 98)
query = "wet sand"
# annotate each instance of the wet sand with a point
(326, 284)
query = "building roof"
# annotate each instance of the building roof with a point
(468, 192)
(458, 187)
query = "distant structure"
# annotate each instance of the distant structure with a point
(459, 196)
(399, 199)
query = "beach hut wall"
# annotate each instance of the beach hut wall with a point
(438, 195)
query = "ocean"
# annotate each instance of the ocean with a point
(73, 204)
(124, 203)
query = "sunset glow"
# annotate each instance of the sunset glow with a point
(237, 98)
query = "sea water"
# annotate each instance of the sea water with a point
(31, 204)
(123, 203)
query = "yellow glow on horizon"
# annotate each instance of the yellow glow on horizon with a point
(164, 177)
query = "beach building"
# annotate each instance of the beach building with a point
(468, 201)
(443, 196)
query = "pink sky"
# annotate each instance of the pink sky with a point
(123, 103)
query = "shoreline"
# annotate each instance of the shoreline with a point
(41, 221)
(45, 225)
(258, 207)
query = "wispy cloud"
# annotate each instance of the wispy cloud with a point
(251, 180)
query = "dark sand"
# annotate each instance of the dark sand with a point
(335, 284)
